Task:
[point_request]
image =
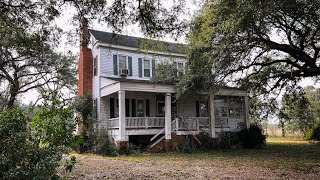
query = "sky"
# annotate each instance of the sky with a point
(65, 23)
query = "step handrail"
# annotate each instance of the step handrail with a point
(161, 131)
(160, 139)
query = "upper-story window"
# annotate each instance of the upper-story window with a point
(180, 69)
(146, 68)
(122, 65)
(95, 66)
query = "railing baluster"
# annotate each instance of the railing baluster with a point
(146, 122)
(177, 124)
(198, 128)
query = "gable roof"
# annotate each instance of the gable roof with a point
(136, 42)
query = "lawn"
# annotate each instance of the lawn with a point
(279, 159)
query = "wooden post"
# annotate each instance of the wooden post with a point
(122, 115)
(212, 118)
(246, 111)
(168, 116)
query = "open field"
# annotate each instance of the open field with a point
(279, 159)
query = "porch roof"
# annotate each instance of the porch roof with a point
(147, 86)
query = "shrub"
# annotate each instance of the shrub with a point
(314, 133)
(129, 149)
(252, 137)
(224, 140)
(22, 155)
(32, 146)
(77, 143)
(103, 146)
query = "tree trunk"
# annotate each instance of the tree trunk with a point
(13, 97)
(13, 94)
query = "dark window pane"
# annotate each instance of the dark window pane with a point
(147, 73)
(127, 108)
(148, 108)
(133, 101)
(112, 108)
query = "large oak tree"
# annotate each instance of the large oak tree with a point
(263, 45)
(28, 36)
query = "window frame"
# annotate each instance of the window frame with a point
(150, 67)
(144, 107)
(95, 66)
(183, 68)
(207, 108)
(159, 114)
(127, 63)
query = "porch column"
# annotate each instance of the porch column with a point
(168, 116)
(212, 118)
(246, 111)
(122, 115)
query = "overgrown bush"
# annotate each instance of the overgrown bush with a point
(252, 137)
(314, 133)
(185, 146)
(225, 140)
(31, 146)
(129, 149)
(103, 146)
(22, 154)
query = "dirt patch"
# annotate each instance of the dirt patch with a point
(164, 167)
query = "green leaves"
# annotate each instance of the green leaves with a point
(166, 73)
(53, 123)
(296, 111)
(265, 45)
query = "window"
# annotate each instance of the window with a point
(140, 108)
(95, 66)
(201, 109)
(180, 69)
(122, 63)
(235, 113)
(160, 108)
(146, 68)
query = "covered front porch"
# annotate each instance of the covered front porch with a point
(135, 108)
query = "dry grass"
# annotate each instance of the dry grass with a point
(281, 158)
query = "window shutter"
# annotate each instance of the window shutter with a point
(197, 109)
(147, 107)
(133, 107)
(153, 67)
(130, 65)
(127, 108)
(115, 65)
(112, 108)
(140, 66)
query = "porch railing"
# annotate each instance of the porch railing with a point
(113, 123)
(144, 122)
(138, 122)
(191, 123)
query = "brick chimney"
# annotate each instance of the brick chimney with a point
(85, 61)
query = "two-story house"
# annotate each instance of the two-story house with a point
(117, 69)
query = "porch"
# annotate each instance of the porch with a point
(132, 108)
